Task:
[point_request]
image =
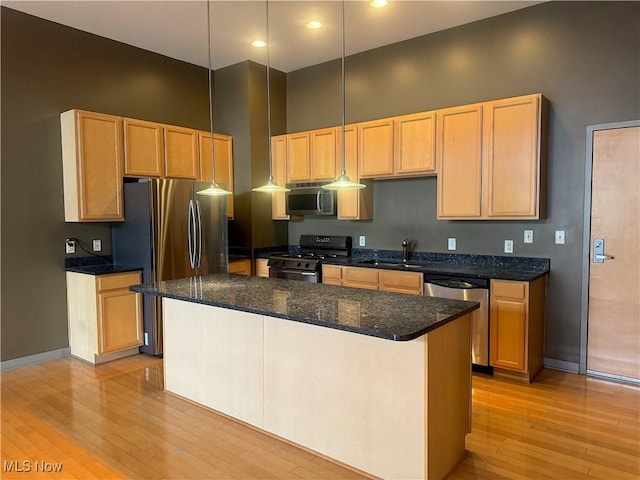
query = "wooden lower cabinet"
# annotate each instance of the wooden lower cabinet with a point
(240, 267)
(517, 327)
(105, 317)
(262, 267)
(373, 279)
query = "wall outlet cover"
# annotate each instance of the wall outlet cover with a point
(362, 241)
(70, 246)
(559, 237)
(451, 243)
(508, 246)
(97, 245)
(528, 236)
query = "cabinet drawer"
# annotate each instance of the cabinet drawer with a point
(401, 282)
(506, 289)
(332, 274)
(117, 280)
(360, 277)
(241, 267)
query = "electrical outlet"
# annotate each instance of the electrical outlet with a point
(528, 236)
(146, 338)
(559, 237)
(70, 246)
(97, 245)
(451, 243)
(362, 241)
(508, 246)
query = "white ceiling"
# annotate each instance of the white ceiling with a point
(178, 29)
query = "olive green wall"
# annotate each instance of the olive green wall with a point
(584, 56)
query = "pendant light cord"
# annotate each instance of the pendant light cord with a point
(344, 139)
(268, 97)
(213, 164)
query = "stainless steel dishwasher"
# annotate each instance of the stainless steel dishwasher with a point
(474, 290)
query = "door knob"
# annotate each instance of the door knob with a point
(598, 251)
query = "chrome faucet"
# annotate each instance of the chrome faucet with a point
(405, 250)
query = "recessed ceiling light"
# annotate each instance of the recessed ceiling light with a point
(378, 3)
(314, 24)
(258, 43)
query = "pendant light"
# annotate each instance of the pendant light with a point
(271, 186)
(343, 182)
(214, 189)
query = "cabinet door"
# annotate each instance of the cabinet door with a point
(360, 277)
(143, 151)
(92, 166)
(415, 147)
(298, 157)
(180, 152)
(279, 169)
(508, 325)
(353, 204)
(401, 282)
(459, 162)
(375, 150)
(223, 158)
(512, 157)
(262, 267)
(240, 267)
(332, 274)
(323, 154)
(119, 320)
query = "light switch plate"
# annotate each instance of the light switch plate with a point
(451, 243)
(508, 246)
(97, 245)
(362, 241)
(559, 237)
(528, 236)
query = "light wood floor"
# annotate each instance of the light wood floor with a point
(115, 421)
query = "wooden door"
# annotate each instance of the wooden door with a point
(92, 166)
(180, 152)
(508, 325)
(459, 162)
(279, 172)
(415, 144)
(223, 158)
(143, 148)
(375, 150)
(613, 345)
(298, 157)
(323, 154)
(512, 157)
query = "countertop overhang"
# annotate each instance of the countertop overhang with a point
(392, 316)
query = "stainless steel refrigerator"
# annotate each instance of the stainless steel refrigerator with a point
(171, 233)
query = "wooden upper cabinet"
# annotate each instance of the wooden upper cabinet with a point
(223, 158)
(459, 162)
(512, 156)
(92, 166)
(279, 171)
(180, 152)
(298, 160)
(415, 149)
(143, 148)
(323, 154)
(353, 204)
(375, 148)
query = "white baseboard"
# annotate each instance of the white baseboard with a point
(34, 359)
(573, 367)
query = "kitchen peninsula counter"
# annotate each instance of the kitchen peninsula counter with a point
(378, 381)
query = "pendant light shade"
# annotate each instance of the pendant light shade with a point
(271, 186)
(343, 182)
(214, 189)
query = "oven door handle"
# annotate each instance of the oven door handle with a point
(297, 272)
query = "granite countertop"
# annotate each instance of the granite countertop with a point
(101, 269)
(522, 269)
(393, 316)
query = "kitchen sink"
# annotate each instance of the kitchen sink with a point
(378, 263)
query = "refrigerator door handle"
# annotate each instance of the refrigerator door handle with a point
(192, 233)
(199, 227)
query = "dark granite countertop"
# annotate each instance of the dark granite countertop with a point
(101, 269)
(393, 316)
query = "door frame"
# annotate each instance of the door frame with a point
(586, 241)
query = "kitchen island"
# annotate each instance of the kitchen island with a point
(378, 381)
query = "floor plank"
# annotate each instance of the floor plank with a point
(115, 421)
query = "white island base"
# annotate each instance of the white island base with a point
(388, 408)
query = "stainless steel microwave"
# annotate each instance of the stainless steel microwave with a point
(310, 199)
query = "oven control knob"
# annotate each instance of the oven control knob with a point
(299, 263)
(306, 265)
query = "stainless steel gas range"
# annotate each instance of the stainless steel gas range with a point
(307, 264)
